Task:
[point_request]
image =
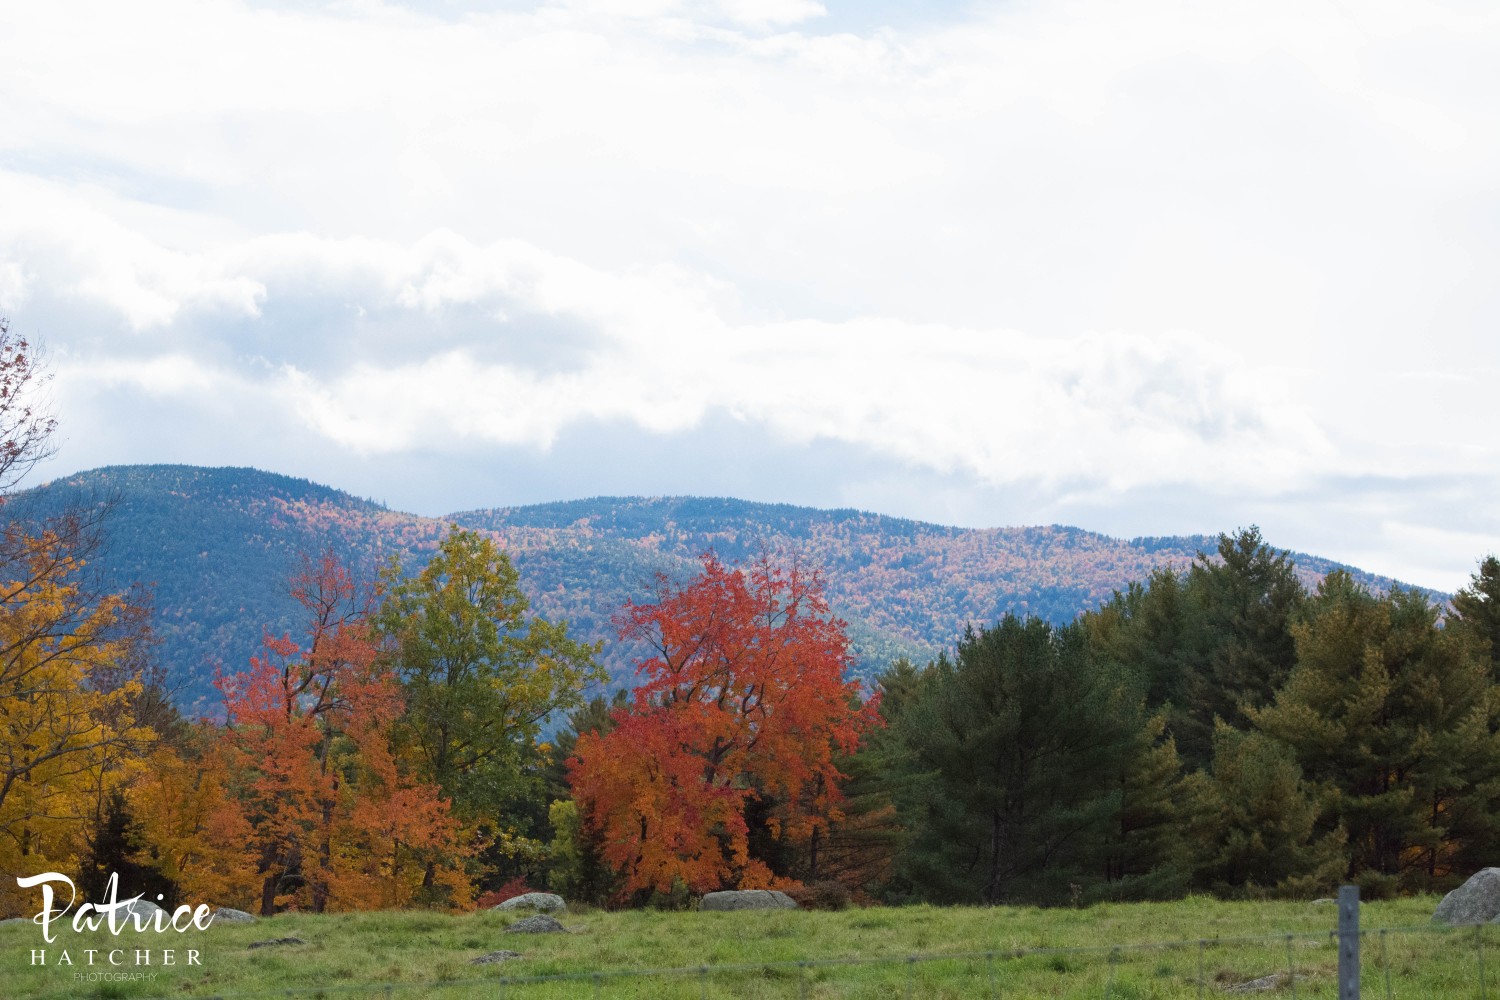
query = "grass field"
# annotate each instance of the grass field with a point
(1168, 950)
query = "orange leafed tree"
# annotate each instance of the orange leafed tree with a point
(334, 821)
(743, 704)
(191, 831)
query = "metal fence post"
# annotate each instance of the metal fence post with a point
(1349, 942)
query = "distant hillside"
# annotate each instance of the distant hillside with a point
(218, 545)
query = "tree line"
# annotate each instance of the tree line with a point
(425, 739)
(1217, 730)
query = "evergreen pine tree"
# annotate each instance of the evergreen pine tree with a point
(1148, 853)
(1244, 603)
(1255, 821)
(1014, 750)
(1476, 610)
(1397, 716)
(114, 848)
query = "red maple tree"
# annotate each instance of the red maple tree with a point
(744, 703)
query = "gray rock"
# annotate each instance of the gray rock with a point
(1477, 901)
(229, 915)
(496, 956)
(748, 899)
(275, 942)
(542, 902)
(1264, 984)
(539, 924)
(1325, 899)
(16, 920)
(143, 908)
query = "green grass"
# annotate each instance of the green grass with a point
(961, 952)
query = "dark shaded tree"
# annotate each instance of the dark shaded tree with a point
(115, 848)
(1014, 750)
(1244, 601)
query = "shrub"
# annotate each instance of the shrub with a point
(825, 895)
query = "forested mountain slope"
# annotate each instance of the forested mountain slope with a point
(217, 546)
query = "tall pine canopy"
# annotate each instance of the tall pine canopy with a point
(1397, 717)
(1016, 745)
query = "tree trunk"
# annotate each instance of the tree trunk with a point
(994, 888)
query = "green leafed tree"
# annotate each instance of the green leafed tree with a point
(1476, 610)
(1255, 821)
(578, 868)
(1154, 632)
(1208, 643)
(1397, 716)
(481, 673)
(1013, 751)
(1244, 600)
(1147, 848)
(597, 715)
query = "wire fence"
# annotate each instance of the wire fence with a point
(1427, 961)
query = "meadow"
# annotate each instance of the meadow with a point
(1191, 948)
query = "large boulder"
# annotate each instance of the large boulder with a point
(748, 899)
(229, 915)
(1477, 901)
(542, 902)
(142, 908)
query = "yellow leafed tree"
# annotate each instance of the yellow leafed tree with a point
(67, 730)
(67, 734)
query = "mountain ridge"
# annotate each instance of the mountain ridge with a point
(217, 545)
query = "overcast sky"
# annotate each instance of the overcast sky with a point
(1146, 268)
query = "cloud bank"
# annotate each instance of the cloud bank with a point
(1151, 270)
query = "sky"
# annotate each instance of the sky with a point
(1150, 268)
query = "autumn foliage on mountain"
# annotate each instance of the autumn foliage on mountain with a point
(217, 545)
(740, 718)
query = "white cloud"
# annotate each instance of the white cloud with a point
(162, 375)
(12, 285)
(766, 14)
(1091, 247)
(999, 406)
(760, 15)
(74, 248)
